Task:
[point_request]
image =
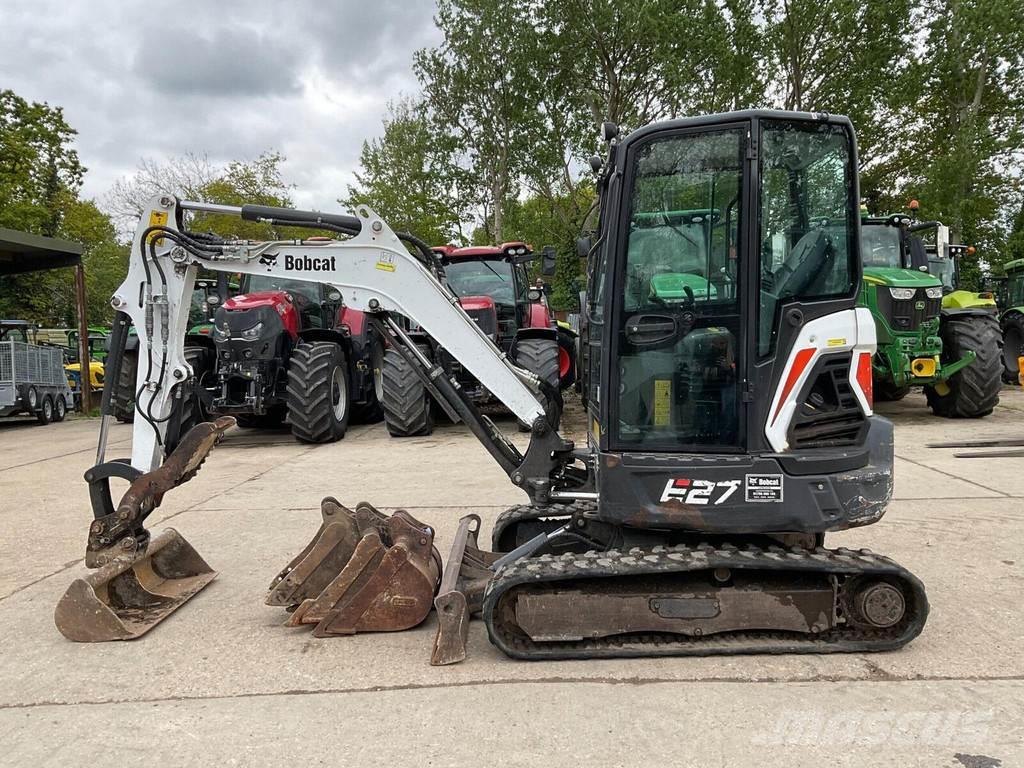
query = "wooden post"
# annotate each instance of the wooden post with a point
(83, 339)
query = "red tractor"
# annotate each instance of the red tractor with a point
(289, 348)
(494, 289)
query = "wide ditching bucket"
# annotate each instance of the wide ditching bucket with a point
(138, 581)
(363, 571)
(129, 596)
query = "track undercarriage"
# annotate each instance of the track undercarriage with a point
(593, 590)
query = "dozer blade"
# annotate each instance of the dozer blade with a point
(131, 594)
(139, 582)
(461, 593)
(363, 572)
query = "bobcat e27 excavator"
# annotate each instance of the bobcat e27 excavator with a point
(728, 383)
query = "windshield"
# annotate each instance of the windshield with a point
(199, 312)
(482, 277)
(259, 283)
(944, 269)
(880, 246)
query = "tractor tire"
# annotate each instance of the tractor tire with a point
(318, 392)
(974, 390)
(540, 356)
(886, 391)
(1013, 347)
(372, 410)
(45, 414)
(189, 403)
(123, 397)
(566, 359)
(407, 404)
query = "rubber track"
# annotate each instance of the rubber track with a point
(549, 569)
(975, 389)
(406, 404)
(309, 392)
(526, 512)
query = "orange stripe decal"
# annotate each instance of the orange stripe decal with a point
(803, 357)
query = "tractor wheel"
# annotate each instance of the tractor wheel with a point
(190, 405)
(973, 391)
(887, 391)
(372, 411)
(60, 408)
(566, 359)
(1013, 347)
(123, 399)
(407, 404)
(540, 356)
(318, 392)
(45, 414)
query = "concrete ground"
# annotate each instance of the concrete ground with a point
(222, 682)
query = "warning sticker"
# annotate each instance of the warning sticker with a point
(662, 402)
(157, 219)
(766, 488)
(386, 261)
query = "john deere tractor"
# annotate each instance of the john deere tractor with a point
(1011, 319)
(930, 333)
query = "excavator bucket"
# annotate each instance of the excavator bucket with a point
(129, 596)
(466, 574)
(363, 572)
(139, 582)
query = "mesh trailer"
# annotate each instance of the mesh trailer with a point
(33, 381)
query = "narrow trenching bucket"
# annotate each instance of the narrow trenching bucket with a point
(131, 594)
(460, 595)
(363, 571)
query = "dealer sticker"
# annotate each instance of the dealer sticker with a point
(763, 488)
(386, 262)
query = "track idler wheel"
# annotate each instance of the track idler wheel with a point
(363, 572)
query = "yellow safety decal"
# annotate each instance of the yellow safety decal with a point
(595, 429)
(386, 262)
(662, 402)
(157, 219)
(872, 280)
(837, 342)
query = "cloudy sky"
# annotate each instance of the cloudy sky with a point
(308, 78)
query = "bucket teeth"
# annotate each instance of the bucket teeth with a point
(133, 593)
(363, 572)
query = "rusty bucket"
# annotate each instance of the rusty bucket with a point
(128, 596)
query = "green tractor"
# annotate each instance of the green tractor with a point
(1011, 306)
(930, 333)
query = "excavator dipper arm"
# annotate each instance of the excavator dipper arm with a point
(358, 559)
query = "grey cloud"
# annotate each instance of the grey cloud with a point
(226, 79)
(227, 62)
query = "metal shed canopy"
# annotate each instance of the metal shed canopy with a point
(22, 252)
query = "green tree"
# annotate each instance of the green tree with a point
(410, 176)
(966, 90)
(39, 169)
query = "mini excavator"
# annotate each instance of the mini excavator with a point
(726, 372)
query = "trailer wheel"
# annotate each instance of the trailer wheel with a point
(318, 392)
(45, 414)
(1013, 347)
(407, 404)
(60, 409)
(540, 356)
(973, 391)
